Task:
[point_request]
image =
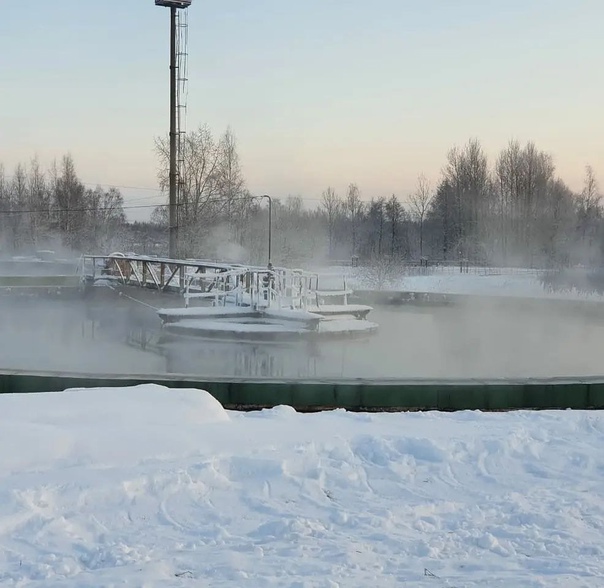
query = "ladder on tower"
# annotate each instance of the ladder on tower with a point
(182, 41)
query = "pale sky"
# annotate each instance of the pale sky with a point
(318, 92)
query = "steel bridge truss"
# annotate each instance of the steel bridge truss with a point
(222, 283)
(155, 273)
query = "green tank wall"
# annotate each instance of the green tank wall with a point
(353, 395)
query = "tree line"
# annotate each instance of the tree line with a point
(52, 208)
(514, 210)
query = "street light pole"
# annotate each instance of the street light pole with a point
(270, 224)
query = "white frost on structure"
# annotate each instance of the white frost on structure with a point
(339, 309)
(147, 486)
(349, 326)
(232, 326)
(203, 312)
(221, 312)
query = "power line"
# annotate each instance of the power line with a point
(90, 209)
(158, 190)
(118, 208)
(142, 199)
(109, 185)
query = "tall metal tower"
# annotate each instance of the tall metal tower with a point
(182, 40)
(178, 82)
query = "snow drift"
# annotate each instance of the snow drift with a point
(155, 487)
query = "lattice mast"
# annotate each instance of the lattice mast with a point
(182, 41)
(177, 88)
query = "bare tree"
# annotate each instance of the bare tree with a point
(18, 200)
(331, 205)
(4, 208)
(590, 195)
(105, 216)
(519, 211)
(376, 217)
(557, 223)
(420, 202)
(231, 187)
(200, 184)
(159, 216)
(69, 202)
(354, 208)
(394, 215)
(523, 179)
(200, 178)
(231, 183)
(467, 177)
(290, 227)
(589, 215)
(381, 273)
(509, 173)
(38, 201)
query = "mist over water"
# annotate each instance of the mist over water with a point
(112, 334)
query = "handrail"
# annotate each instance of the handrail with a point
(248, 285)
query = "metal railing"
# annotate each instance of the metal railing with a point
(261, 288)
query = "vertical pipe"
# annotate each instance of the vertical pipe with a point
(173, 219)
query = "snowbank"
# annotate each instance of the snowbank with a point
(151, 487)
(512, 282)
(102, 425)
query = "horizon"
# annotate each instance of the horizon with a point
(314, 101)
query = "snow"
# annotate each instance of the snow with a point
(231, 326)
(340, 325)
(335, 309)
(146, 486)
(295, 315)
(519, 285)
(512, 282)
(347, 326)
(483, 284)
(230, 311)
(201, 312)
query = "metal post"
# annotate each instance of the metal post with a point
(270, 226)
(173, 218)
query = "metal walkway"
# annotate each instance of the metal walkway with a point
(222, 283)
(158, 273)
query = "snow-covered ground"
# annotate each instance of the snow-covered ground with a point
(150, 487)
(516, 282)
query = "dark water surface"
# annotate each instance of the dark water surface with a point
(115, 335)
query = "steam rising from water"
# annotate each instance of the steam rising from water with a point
(111, 334)
(488, 340)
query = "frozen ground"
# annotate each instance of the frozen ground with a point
(149, 487)
(516, 282)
